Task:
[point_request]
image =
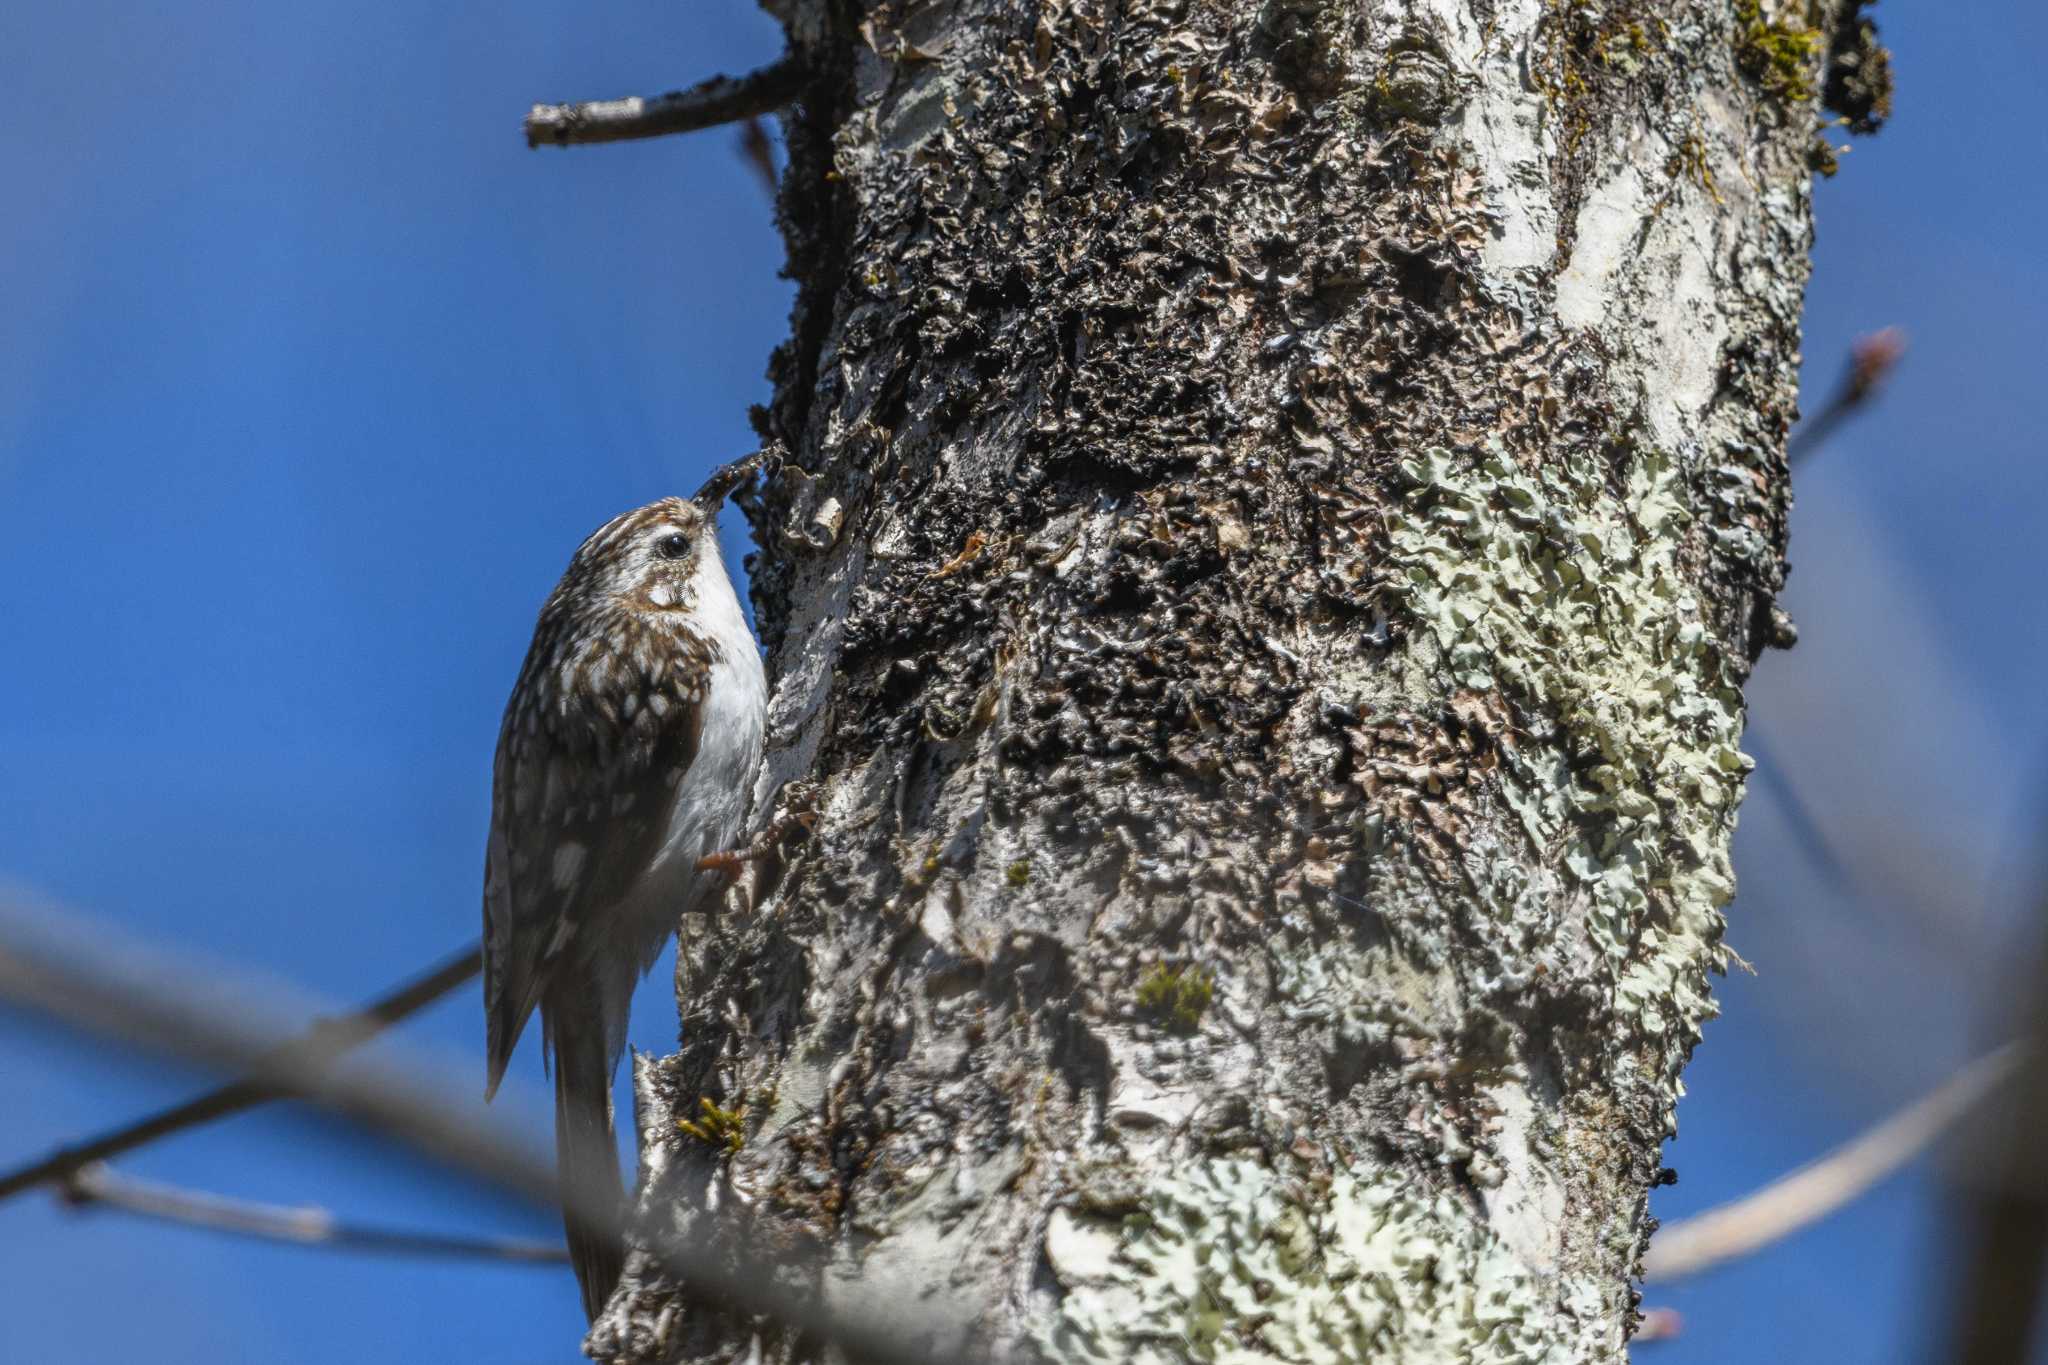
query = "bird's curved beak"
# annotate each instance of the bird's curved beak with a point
(725, 480)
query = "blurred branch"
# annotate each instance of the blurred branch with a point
(760, 154)
(1818, 1189)
(1872, 358)
(1799, 817)
(1658, 1324)
(2002, 1228)
(215, 1020)
(722, 99)
(99, 1185)
(2005, 1250)
(326, 1039)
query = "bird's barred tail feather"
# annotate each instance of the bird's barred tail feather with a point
(586, 1149)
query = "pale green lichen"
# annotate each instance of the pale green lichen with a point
(1229, 1262)
(1369, 997)
(1567, 597)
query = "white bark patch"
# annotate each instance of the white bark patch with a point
(1139, 1105)
(1509, 128)
(936, 919)
(1609, 223)
(1643, 266)
(1081, 1251)
(1525, 1204)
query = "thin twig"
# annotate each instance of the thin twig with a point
(327, 1038)
(1819, 1188)
(99, 1185)
(1872, 359)
(722, 99)
(118, 993)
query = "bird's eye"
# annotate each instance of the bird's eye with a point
(672, 546)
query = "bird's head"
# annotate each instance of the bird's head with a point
(653, 558)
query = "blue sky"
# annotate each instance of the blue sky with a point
(311, 376)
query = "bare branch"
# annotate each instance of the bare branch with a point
(116, 992)
(99, 1185)
(326, 1039)
(722, 99)
(1819, 1188)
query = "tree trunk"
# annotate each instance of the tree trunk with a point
(1279, 505)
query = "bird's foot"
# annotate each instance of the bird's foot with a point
(733, 861)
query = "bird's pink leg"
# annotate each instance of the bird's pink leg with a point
(732, 861)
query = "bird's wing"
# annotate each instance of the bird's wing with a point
(583, 785)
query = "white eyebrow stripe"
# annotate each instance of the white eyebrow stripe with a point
(606, 535)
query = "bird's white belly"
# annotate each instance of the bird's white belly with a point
(710, 806)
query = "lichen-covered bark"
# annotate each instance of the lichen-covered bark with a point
(1279, 503)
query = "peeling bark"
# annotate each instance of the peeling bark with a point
(1279, 504)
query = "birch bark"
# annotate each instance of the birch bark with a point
(1280, 503)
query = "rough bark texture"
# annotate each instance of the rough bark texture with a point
(1280, 502)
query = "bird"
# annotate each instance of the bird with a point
(623, 770)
